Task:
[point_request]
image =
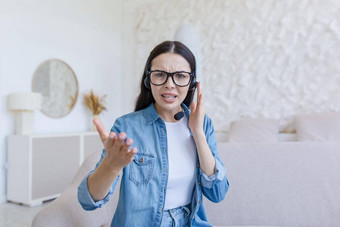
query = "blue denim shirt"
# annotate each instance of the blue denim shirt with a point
(144, 180)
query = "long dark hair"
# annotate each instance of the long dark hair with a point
(145, 97)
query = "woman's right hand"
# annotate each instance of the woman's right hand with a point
(117, 152)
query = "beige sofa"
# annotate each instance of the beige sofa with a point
(271, 184)
(280, 184)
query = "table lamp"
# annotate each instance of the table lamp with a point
(23, 105)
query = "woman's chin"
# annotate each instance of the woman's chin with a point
(168, 106)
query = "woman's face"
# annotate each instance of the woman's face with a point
(169, 96)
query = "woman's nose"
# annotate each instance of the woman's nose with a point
(170, 83)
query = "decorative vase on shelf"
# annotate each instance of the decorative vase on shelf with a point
(96, 116)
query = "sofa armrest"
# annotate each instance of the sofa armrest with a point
(66, 210)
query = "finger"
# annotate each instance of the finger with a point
(134, 150)
(101, 129)
(198, 92)
(131, 153)
(120, 141)
(199, 89)
(193, 106)
(111, 140)
(126, 146)
(199, 100)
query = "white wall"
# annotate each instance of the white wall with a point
(132, 70)
(85, 34)
(266, 59)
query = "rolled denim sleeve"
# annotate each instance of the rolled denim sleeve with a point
(218, 176)
(215, 187)
(85, 199)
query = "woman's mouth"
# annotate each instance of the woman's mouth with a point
(169, 98)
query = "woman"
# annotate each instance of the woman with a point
(174, 158)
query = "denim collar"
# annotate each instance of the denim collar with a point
(151, 114)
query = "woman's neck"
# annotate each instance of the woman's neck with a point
(167, 115)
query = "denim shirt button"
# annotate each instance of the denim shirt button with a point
(199, 183)
(199, 201)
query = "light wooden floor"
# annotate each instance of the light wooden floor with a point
(14, 215)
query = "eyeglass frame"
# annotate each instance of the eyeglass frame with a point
(170, 75)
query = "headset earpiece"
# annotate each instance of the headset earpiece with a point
(193, 86)
(146, 82)
(193, 83)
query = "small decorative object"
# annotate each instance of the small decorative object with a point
(23, 104)
(95, 105)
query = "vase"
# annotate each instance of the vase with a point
(96, 116)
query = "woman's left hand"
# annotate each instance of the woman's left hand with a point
(196, 118)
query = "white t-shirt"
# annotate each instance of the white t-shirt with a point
(182, 162)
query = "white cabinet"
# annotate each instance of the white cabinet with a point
(41, 166)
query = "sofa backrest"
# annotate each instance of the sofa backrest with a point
(279, 184)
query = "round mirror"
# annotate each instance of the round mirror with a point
(58, 86)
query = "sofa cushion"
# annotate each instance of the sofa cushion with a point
(318, 126)
(254, 130)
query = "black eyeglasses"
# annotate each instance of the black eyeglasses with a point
(180, 78)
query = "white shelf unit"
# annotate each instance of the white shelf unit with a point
(41, 166)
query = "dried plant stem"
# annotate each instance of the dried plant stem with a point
(94, 103)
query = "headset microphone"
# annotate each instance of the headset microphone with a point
(178, 116)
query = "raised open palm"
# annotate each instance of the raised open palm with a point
(117, 147)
